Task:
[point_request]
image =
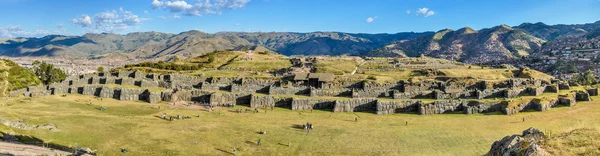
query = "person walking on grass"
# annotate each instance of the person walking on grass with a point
(234, 151)
(258, 143)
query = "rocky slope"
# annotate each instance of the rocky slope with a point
(497, 43)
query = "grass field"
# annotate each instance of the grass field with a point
(134, 126)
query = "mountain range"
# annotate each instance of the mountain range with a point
(466, 44)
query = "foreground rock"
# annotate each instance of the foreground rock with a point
(529, 143)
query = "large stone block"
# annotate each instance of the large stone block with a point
(309, 104)
(592, 91)
(356, 105)
(391, 107)
(262, 101)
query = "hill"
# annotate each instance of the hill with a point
(13, 77)
(471, 46)
(550, 32)
(155, 45)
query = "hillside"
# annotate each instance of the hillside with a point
(13, 77)
(155, 45)
(468, 45)
(550, 32)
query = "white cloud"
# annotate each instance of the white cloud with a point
(59, 25)
(425, 12)
(176, 17)
(407, 11)
(162, 17)
(145, 11)
(109, 21)
(83, 21)
(370, 19)
(236, 24)
(201, 7)
(18, 31)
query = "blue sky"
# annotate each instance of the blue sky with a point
(26, 18)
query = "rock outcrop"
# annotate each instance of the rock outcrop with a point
(527, 144)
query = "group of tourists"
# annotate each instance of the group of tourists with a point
(308, 127)
(178, 117)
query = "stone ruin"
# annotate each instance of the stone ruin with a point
(320, 91)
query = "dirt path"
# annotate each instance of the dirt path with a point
(21, 149)
(356, 68)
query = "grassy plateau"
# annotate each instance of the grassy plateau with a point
(136, 126)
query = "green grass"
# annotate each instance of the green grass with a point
(133, 125)
(337, 67)
(259, 65)
(14, 77)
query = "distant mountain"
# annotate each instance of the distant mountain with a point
(590, 40)
(321, 43)
(550, 32)
(193, 43)
(466, 44)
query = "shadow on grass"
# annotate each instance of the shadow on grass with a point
(283, 144)
(224, 151)
(298, 126)
(31, 140)
(160, 117)
(251, 143)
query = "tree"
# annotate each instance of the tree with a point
(48, 73)
(589, 78)
(211, 58)
(100, 69)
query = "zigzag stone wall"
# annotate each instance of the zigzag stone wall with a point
(309, 104)
(391, 107)
(355, 105)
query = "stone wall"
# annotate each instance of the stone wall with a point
(391, 107)
(474, 107)
(567, 100)
(439, 107)
(410, 95)
(356, 105)
(592, 91)
(131, 94)
(233, 98)
(262, 101)
(437, 94)
(513, 107)
(370, 93)
(309, 104)
(582, 96)
(418, 86)
(331, 92)
(553, 88)
(564, 86)
(490, 93)
(536, 91)
(291, 90)
(512, 93)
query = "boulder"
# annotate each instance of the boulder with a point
(527, 143)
